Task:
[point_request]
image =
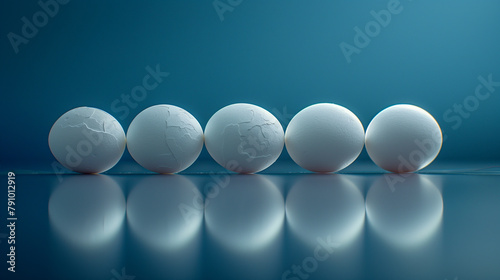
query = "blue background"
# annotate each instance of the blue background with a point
(281, 55)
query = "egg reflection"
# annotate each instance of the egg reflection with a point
(325, 205)
(165, 211)
(407, 213)
(246, 214)
(87, 210)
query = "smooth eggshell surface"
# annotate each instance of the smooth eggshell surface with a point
(87, 140)
(403, 138)
(244, 138)
(324, 137)
(165, 139)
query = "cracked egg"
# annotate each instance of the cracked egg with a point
(87, 140)
(244, 138)
(165, 139)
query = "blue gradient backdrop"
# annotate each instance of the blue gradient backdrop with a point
(281, 55)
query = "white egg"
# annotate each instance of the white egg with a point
(87, 140)
(244, 138)
(324, 137)
(407, 214)
(403, 138)
(247, 215)
(165, 139)
(88, 211)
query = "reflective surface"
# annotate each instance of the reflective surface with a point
(220, 226)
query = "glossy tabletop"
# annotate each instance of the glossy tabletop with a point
(436, 224)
